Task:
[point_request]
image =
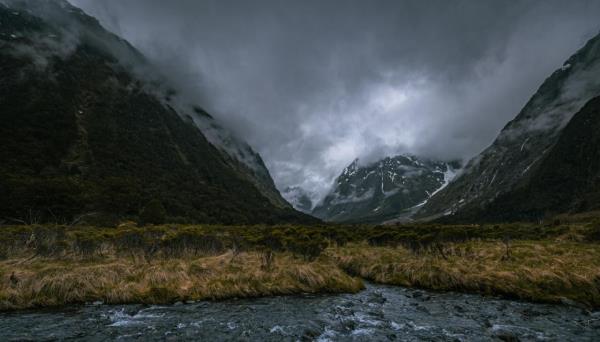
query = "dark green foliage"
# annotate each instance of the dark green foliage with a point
(271, 241)
(593, 234)
(338, 236)
(192, 242)
(83, 141)
(436, 238)
(86, 244)
(153, 213)
(383, 239)
(309, 248)
(131, 241)
(48, 241)
(306, 242)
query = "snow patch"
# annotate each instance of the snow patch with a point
(448, 177)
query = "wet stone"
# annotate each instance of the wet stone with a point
(459, 308)
(507, 336)
(379, 313)
(348, 325)
(417, 294)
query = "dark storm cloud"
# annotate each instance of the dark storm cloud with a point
(314, 84)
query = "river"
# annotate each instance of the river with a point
(379, 313)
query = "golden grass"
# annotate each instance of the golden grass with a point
(555, 271)
(545, 271)
(46, 282)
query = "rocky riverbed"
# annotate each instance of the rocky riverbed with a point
(380, 313)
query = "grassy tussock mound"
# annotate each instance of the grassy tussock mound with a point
(546, 271)
(41, 282)
(49, 265)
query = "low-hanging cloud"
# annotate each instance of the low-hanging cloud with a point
(314, 84)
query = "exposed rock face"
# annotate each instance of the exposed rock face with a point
(384, 190)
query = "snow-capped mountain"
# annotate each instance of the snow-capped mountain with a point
(526, 141)
(384, 190)
(298, 198)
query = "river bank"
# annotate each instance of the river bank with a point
(537, 271)
(49, 266)
(378, 313)
(37, 283)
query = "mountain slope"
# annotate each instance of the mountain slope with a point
(298, 198)
(84, 133)
(383, 190)
(526, 140)
(238, 154)
(567, 180)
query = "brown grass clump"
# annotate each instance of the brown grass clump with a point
(49, 265)
(43, 282)
(544, 271)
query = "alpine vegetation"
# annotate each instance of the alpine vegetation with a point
(299, 170)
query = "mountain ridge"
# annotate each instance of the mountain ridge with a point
(384, 189)
(87, 135)
(567, 180)
(524, 141)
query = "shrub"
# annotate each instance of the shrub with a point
(130, 241)
(307, 247)
(153, 213)
(593, 231)
(191, 242)
(48, 241)
(383, 239)
(272, 242)
(86, 244)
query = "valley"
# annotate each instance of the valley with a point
(400, 196)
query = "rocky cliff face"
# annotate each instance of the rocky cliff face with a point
(525, 141)
(384, 190)
(88, 129)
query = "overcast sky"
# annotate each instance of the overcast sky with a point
(311, 85)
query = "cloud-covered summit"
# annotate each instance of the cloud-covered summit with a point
(314, 84)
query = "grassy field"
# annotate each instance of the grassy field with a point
(43, 266)
(541, 271)
(47, 282)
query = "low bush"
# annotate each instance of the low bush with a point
(305, 242)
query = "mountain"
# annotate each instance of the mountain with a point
(567, 180)
(298, 198)
(91, 130)
(517, 159)
(238, 154)
(384, 190)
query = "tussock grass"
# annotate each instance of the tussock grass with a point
(49, 265)
(544, 271)
(42, 282)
